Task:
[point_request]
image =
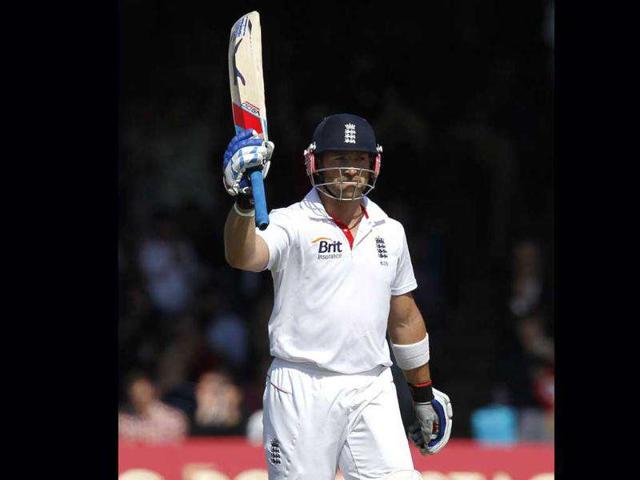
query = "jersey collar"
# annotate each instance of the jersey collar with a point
(314, 208)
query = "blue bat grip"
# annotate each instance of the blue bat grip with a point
(257, 188)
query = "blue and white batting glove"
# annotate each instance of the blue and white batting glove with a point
(434, 423)
(245, 151)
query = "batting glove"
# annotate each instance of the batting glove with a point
(245, 151)
(434, 423)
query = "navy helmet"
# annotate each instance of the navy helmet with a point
(342, 132)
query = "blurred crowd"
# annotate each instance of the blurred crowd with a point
(193, 347)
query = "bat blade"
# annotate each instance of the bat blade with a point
(246, 79)
(246, 83)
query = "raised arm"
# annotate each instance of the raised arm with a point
(244, 249)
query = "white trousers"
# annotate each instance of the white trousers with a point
(316, 421)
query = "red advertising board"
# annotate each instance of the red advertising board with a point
(236, 459)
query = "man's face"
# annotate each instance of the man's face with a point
(349, 176)
(211, 383)
(142, 393)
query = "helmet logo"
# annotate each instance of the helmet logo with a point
(349, 133)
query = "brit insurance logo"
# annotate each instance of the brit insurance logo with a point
(328, 248)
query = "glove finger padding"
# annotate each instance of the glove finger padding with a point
(415, 433)
(242, 139)
(245, 158)
(267, 163)
(427, 429)
(442, 405)
(245, 151)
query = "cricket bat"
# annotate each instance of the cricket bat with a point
(247, 95)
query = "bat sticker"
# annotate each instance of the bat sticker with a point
(236, 72)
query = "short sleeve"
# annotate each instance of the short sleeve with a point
(279, 239)
(405, 280)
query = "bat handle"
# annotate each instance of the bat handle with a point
(257, 188)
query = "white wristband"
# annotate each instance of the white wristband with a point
(250, 213)
(412, 355)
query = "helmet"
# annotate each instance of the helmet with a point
(347, 132)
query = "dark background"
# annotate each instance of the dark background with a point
(461, 97)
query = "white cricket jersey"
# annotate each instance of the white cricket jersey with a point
(332, 300)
